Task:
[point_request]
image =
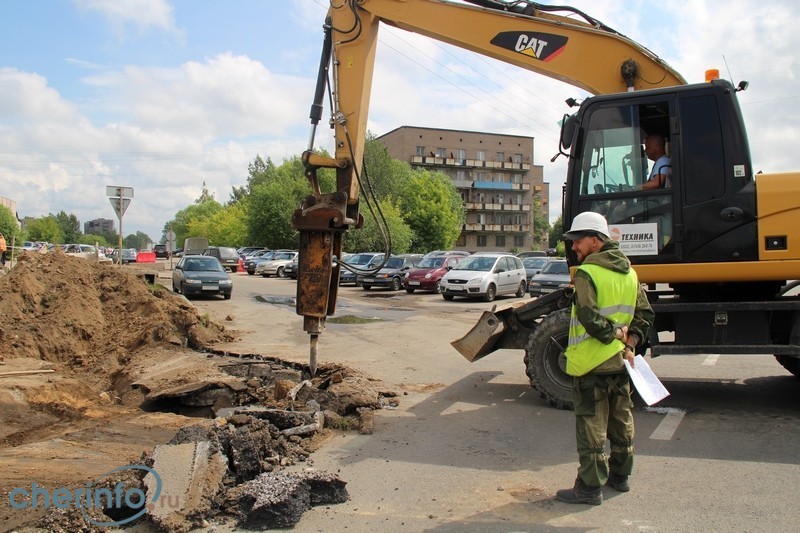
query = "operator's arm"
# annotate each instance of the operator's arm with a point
(643, 319)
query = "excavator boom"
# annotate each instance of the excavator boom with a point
(573, 48)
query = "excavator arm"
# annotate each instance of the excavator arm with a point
(559, 42)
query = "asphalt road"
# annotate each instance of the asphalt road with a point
(473, 448)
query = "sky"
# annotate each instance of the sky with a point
(165, 95)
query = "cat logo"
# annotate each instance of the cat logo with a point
(541, 46)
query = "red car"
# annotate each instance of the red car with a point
(426, 275)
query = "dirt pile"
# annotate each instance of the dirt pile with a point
(105, 369)
(77, 313)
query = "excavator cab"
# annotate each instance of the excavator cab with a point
(704, 212)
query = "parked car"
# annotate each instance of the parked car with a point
(392, 274)
(276, 265)
(85, 251)
(201, 274)
(247, 250)
(161, 251)
(127, 255)
(532, 253)
(427, 274)
(534, 265)
(227, 256)
(251, 262)
(436, 253)
(485, 275)
(290, 270)
(359, 261)
(554, 275)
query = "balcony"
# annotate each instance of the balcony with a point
(470, 163)
(497, 228)
(484, 206)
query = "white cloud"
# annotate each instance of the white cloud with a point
(142, 14)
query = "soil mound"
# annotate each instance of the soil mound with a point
(79, 314)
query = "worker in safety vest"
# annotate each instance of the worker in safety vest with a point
(610, 318)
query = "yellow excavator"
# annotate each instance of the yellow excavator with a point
(717, 245)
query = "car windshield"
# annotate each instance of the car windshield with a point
(556, 267)
(393, 262)
(282, 256)
(480, 264)
(197, 264)
(534, 262)
(361, 259)
(432, 262)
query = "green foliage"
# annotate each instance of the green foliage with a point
(226, 227)
(556, 232)
(70, 227)
(8, 226)
(370, 239)
(433, 209)
(189, 222)
(45, 229)
(139, 241)
(92, 239)
(541, 226)
(385, 174)
(561, 249)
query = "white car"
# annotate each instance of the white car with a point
(485, 275)
(86, 251)
(276, 265)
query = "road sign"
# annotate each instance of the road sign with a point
(120, 205)
(119, 192)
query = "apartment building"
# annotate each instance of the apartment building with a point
(495, 176)
(98, 226)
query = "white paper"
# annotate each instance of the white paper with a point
(646, 382)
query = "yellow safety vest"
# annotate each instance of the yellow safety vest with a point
(616, 300)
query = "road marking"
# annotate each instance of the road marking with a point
(666, 429)
(711, 360)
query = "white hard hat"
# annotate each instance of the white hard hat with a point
(588, 222)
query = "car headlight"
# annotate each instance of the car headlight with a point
(535, 284)
(225, 282)
(567, 284)
(194, 281)
(475, 281)
(428, 275)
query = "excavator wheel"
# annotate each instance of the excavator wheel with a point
(545, 363)
(792, 364)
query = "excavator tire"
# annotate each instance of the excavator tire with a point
(545, 363)
(792, 364)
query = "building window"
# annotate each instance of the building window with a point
(461, 175)
(440, 152)
(500, 177)
(499, 156)
(517, 219)
(481, 197)
(421, 151)
(500, 199)
(480, 155)
(516, 178)
(519, 240)
(481, 176)
(500, 241)
(482, 240)
(481, 218)
(461, 154)
(517, 158)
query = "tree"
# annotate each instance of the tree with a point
(139, 241)
(226, 227)
(90, 238)
(45, 229)
(8, 226)
(541, 226)
(433, 209)
(70, 226)
(370, 239)
(202, 209)
(386, 174)
(556, 232)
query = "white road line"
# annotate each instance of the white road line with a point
(666, 429)
(711, 360)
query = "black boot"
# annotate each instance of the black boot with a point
(618, 482)
(581, 493)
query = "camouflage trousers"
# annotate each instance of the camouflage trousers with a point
(603, 409)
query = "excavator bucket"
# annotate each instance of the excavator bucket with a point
(481, 339)
(509, 327)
